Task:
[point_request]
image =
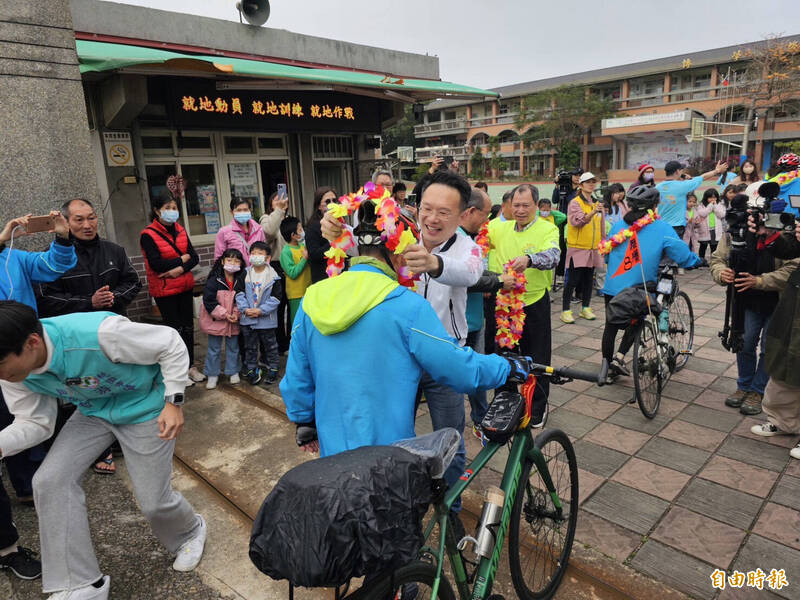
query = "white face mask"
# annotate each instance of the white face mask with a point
(544, 213)
(231, 268)
(748, 169)
(647, 176)
(258, 260)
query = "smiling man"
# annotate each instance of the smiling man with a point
(530, 245)
(127, 380)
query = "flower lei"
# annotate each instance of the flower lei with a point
(509, 312)
(783, 178)
(393, 233)
(622, 236)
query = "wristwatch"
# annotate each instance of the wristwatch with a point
(174, 399)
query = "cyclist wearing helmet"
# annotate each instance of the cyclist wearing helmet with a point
(656, 238)
(788, 177)
(361, 341)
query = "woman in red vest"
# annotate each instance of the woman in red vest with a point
(169, 259)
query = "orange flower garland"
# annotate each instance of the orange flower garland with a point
(509, 312)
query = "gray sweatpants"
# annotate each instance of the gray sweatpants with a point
(68, 559)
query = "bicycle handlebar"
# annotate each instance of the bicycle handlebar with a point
(567, 373)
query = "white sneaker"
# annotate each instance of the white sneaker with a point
(212, 382)
(767, 430)
(235, 379)
(795, 452)
(191, 552)
(195, 375)
(87, 592)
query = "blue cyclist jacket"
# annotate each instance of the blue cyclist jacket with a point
(655, 240)
(359, 345)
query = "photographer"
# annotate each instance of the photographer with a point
(782, 396)
(566, 188)
(757, 278)
(439, 163)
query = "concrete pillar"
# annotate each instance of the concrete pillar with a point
(667, 87)
(45, 152)
(626, 92)
(495, 111)
(759, 137)
(714, 80)
(585, 153)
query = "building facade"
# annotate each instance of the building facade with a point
(234, 109)
(657, 101)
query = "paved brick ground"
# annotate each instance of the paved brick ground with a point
(692, 490)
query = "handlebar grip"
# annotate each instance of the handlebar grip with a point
(582, 375)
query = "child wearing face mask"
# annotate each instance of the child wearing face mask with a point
(294, 261)
(219, 316)
(259, 307)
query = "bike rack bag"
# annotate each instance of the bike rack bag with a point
(344, 516)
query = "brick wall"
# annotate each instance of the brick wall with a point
(141, 307)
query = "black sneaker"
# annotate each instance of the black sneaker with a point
(22, 563)
(254, 376)
(272, 376)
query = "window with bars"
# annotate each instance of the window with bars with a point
(332, 146)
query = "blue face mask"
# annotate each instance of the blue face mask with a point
(242, 217)
(169, 216)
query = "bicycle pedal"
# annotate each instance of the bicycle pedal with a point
(686, 352)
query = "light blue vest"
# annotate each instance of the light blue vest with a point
(80, 373)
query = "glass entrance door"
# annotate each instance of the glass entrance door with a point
(332, 174)
(273, 172)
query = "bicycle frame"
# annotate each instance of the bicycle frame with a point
(522, 448)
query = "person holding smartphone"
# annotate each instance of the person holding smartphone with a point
(275, 211)
(19, 271)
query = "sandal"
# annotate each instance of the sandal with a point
(109, 468)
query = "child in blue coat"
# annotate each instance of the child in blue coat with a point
(259, 307)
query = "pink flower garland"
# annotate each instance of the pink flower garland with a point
(622, 237)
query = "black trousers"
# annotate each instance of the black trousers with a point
(8, 531)
(283, 332)
(489, 304)
(536, 342)
(580, 279)
(178, 313)
(610, 336)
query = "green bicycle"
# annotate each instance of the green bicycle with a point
(539, 513)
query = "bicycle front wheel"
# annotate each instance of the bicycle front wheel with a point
(541, 536)
(647, 376)
(414, 581)
(681, 328)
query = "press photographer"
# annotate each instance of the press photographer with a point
(782, 397)
(754, 278)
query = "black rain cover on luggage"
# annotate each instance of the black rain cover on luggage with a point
(628, 306)
(343, 516)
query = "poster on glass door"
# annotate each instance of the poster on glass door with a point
(244, 181)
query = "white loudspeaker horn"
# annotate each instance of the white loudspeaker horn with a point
(255, 12)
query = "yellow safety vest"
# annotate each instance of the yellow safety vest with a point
(588, 236)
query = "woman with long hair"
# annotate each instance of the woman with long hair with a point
(317, 245)
(748, 173)
(614, 199)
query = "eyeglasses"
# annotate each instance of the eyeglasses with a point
(330, 200)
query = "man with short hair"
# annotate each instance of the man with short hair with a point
(383, 178)
(103, 279)
(127, 381)
(673, 190)
(530, 245)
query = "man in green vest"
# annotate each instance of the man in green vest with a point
(530, 244)
(127, 381)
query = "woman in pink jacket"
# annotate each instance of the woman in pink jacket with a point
(240, 233)
(711, 213)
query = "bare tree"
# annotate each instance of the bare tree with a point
(771, 76)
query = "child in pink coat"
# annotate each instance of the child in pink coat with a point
(690, 235)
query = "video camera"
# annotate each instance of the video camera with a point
(564, 178)
(770, 215)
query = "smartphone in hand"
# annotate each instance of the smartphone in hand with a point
(41, 223)
(282, 191)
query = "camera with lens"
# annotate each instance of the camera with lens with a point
(564, 178)
(770, 215)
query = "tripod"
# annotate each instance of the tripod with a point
(732, 334)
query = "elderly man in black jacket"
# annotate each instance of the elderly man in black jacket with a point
(103, 279)
(782, 351)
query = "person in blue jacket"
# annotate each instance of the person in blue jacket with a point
(655, 241)
(19, 271)
(360, 343)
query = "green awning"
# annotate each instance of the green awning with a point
(102, 56)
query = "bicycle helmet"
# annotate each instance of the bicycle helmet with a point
(789, 160)
(643, 197)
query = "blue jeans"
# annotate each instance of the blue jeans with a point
(752, 376)
(447, 410)
(477, 401)
(214, 355)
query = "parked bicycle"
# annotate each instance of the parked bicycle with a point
(664, 342)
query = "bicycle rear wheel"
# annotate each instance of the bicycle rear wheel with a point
(647, 376)
(414, 577)
(681, 328)
(540, 532)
